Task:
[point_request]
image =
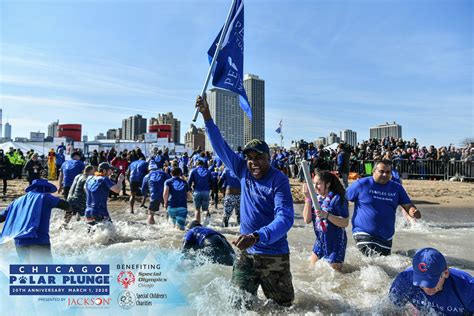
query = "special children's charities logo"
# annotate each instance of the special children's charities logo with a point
(47, 279)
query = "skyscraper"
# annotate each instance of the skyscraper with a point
(53, 129)
(386, 130)
(349, 136)
(133, 127)
(333, 138)
(1, 126)
(255, 88)
(228, 116)
(8, 131)
(195, 137)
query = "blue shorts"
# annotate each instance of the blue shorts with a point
(201, 200)
(178, 215)
(334, 253)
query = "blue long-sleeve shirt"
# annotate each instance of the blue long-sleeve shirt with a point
(201, 178)
(266, 205)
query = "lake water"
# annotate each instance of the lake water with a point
(206, 289)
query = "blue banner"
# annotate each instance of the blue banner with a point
(228, 72)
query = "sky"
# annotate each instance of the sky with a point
(327, 65)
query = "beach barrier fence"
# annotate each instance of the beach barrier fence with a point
(418, 169)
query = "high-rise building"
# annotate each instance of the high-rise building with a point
(255, 88)
(112, 133)
(133, 127)
(194, 138)
(169, 119)
(320, 141)
(53, 129)
(8, 131)
(333, 138)
(386, 130)
(228, 116)
(1, 126)
(349, 136)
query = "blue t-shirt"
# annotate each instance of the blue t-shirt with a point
(49, 202)
(138, 170)
(375, 206)
(178, 189)
(201, 178)
(97, 190)
(266, 205)
(456, 297)
(154, 183)
(60, 158)
(71, 169)
(334, 234)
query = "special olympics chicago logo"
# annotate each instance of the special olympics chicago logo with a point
(126, 299)
(126, 278)
(423, 267)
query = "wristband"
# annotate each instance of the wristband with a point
(308, 200)
(327, 216)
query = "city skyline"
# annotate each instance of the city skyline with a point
(59, 61)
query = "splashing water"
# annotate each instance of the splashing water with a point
(361, 287)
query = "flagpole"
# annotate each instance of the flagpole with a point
(216, 53)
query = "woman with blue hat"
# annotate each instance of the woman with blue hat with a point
(27, 221)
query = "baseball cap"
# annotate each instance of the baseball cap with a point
(258, 146)
(428, 265)
(104, 166)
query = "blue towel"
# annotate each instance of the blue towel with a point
(23, 217)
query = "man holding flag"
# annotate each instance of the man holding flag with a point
(266, 206)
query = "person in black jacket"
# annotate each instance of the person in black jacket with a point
(5, 170)
(33, 168)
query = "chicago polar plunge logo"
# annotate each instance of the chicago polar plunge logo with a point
(126, 299)
(126, 278)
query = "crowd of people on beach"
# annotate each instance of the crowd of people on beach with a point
(255, 187)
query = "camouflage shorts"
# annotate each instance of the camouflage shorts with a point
(272, 272)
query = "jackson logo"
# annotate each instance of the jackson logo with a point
(126, 278)
(423, 267)
(85, 302)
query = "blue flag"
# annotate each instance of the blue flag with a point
(228, 73)
(278, 130)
